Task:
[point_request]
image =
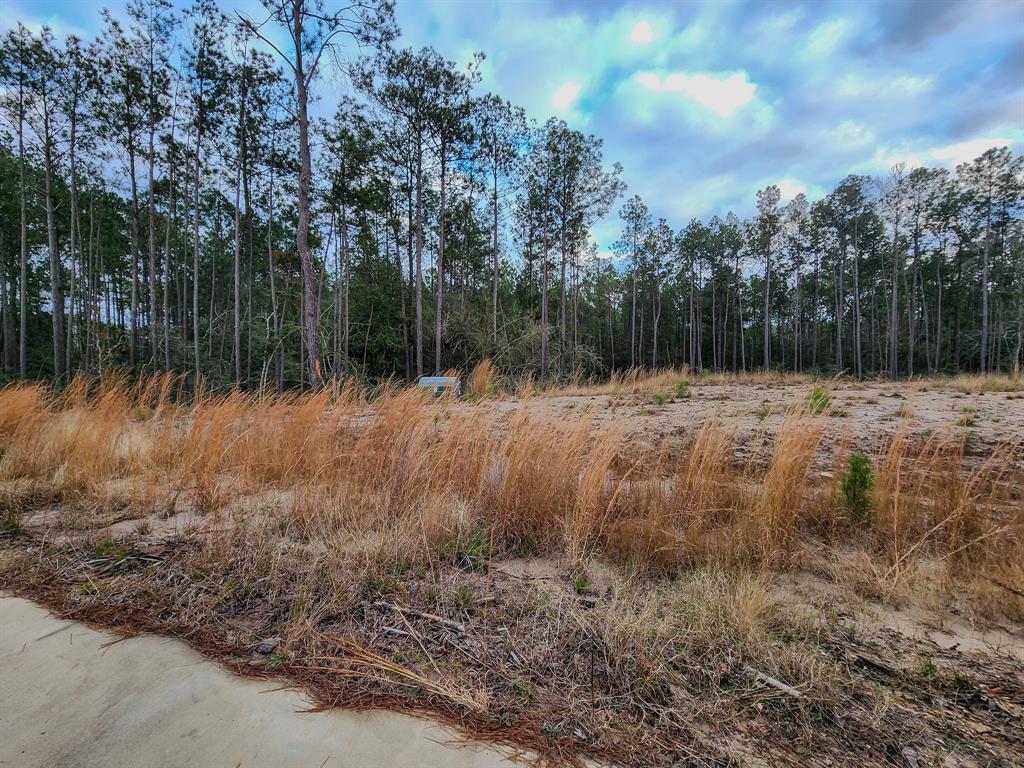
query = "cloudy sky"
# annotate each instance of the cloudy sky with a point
(705, 102)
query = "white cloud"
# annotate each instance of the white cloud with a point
(642, 33)
(565, 95)
(790, 188)
(965, 151)
(874, 85)
(828, 36)
(722, 94)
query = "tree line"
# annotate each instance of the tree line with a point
(169, 203)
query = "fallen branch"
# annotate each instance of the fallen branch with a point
(761, 677)
(421, 614)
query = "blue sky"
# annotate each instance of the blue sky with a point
(705, 102)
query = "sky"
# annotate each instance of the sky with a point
(706, 102)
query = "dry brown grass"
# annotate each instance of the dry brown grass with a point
(320, 505)
(482, 379)
(403, 473)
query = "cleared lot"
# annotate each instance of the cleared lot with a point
(754, 572)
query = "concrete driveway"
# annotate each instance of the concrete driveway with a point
(66, 701)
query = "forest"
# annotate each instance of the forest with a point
(185, 194)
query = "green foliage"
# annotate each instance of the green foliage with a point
(927, 669)
(857, 485)
(659, 399)
(819, 400)
(464, 596)
(682, 390)
(11, 523)
(377, 586)
(466, 549)
(764, 412)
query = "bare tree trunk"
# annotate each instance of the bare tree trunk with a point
(22, 204)
(767, 296)
(73, 242)
(561, 304)
(894, 318)
(985, 254)
(133, 338)
(411, 228)
(494, 262)
(815, 312)
(401, 294)
(739, 310)
(915, 283)
(656, 317)
(172, 218)
(544, 317)
(419, 253)
(237, 275)
(840, 299)
(153, 349)
(310, 284)
(439, 288)
(345, 268)
(1020, 316)
(632, 315)
(275, 317)
(56, 278)
(195, 252)
(857, 355)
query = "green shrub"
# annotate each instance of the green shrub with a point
(579, 584)
(466, 549)
(764, 412)
(660, 399)
(464, 596)
(857, 485)
(820, 400)
(683, 390)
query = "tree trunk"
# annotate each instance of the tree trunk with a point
(74, 243)
(172, 219)
(857, 355)
(310, 284)
(985, 251)
(439, 288)
(561, 304)
(133, 338)
(419, 253)
(345, 269)
(894, 318)
(494, 261)
(56, 278)
(544, 317)
(153, 349)
(767, 294)
(22, 203)
(195, 248)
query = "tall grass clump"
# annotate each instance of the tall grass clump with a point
(819, 400)
(770, 525)
(483, 380)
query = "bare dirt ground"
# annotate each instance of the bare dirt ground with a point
(867, 414)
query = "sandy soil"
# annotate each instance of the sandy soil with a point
(870, 412)
(76, 697)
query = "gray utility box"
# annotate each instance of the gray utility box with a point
(441, 385)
